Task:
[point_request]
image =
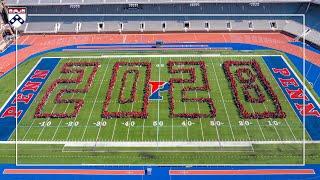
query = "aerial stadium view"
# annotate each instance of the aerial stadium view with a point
(160, 89)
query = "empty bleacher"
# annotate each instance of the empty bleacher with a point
(84, 16)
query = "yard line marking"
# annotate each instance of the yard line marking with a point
(84, 96)
(184, 104)
(95, 100)
(115, 124)
(254, 111)
(224, 104)
(172, 137)
(268, 118)
(218, 136)
(304, 131)
(272, 124)
(32, 102)
(55, 132)
(285, 119)
(144, 120)
(98, 134)
(130, 110)
(172, 129)
(128, 132)
(315, 82)
(202, 134)
(54, 107)
(264, 138)
(158, 103)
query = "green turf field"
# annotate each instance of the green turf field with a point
(63, 139)
(158, 126)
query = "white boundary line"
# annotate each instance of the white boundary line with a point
(16, 93)
(152, 143)
(94, 103)
(283, 93)
(200, 15)
(165, 55)
(188, 55)
(179, 55)
(301, 81)
(7, 101)
(31, 125)
(169, 15)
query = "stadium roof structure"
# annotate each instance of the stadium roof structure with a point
(88, 2)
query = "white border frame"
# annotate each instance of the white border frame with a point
(176, 55)
(198, 15)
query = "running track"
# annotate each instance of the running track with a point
(39, 43)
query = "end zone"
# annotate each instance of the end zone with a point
(27, 92)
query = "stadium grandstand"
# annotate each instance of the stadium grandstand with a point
(5, 30)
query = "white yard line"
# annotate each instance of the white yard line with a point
(301, 82)
(180, 55)
(54, 107)
(55, 132)
(32, 124)
(144, 121)
(185, 108)
(13, 132)
(263, 135)
(202, 133)
(224, 104)
(272, 124)
(288, 102)
(159, 79)
(315, 82)
(115, 124)
(85, 94)
(98, 134)
(95, 100)
(218, 135)
(130, 111)
(285, 119)
(172, 129)
(25, 78)
(172, 137)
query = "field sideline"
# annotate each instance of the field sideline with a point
(172, 129)
(158, 126)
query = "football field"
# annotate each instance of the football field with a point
(89, 123)
(158, 108)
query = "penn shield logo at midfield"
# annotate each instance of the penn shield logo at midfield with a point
(156, 88)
